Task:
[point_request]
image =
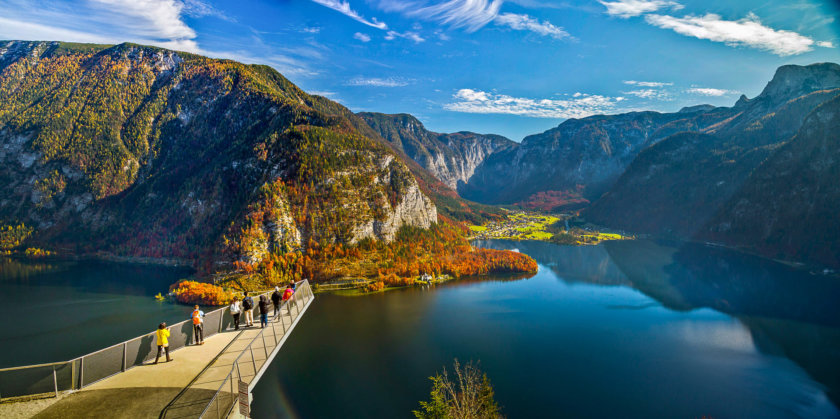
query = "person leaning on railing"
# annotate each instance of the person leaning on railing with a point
(162, 335)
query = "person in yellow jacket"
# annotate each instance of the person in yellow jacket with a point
(162, 342)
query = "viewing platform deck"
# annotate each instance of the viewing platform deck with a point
(122, 382)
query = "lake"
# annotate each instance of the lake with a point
(623, 329)
(58, 310)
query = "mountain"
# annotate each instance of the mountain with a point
(576, 162)
(142, 151)
(788, 206)
(452, 158)
(676, 186)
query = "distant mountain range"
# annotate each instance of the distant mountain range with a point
(692, 174)
(143, 151)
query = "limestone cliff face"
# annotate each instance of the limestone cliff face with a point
(141, 151)
(452, 158)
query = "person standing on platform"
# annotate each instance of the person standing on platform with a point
(248, 308)
(287, 295)
(235, 311)
(162, 335)
(263, 311)
(275, 299)
(198, 325)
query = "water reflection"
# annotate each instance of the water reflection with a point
(788, 312)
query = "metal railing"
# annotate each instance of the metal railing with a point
(253, 360)
(75, 374)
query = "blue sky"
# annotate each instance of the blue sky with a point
(511, 67)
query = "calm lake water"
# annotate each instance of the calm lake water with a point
(59, 310)
(625, 329)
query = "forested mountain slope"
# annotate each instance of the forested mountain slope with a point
(142, 151)
(789, 206)
(676, 186)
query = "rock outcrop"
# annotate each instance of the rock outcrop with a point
(452, 158)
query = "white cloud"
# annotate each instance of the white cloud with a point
(311, 29)
(151, 18)
(414, 36)
(747, 32)
(629, 8)
(343, 7)
(708, 91)
(649, 94)
(361, 37)
(527, 23)
(322, 93)
(152, 22)
(476, 101)
(469, 14)
(825, 44)
(648, 83)
(379, 82)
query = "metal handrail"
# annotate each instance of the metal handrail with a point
(235, 363)
(125, 367)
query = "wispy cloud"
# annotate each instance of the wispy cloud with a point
(361, 37)
(414, 36)
(748, 32)
(648, 83)
(630, 8)
(343, 7)
(825, 44)
(471, 15)
(579, 106)
(198, 8)
(708, 91)
(527, 23)
(379, 82)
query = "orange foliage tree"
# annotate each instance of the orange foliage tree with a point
(192, 292)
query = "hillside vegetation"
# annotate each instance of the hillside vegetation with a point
(144, 152)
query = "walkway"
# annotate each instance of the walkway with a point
(201, 380)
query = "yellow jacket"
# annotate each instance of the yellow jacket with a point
(162, 337)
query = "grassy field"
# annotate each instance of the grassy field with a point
(521, 225)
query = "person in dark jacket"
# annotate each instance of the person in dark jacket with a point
(275, 299)
(263, 310)
(248, 309)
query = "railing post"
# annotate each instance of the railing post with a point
(125, 356)
(55, 381)
(81, 372)
(221, 320)
(265, 345)
(253, 360)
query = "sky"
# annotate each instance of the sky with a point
(508, 67)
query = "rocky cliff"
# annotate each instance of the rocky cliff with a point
(452, 158)
(142, 151)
